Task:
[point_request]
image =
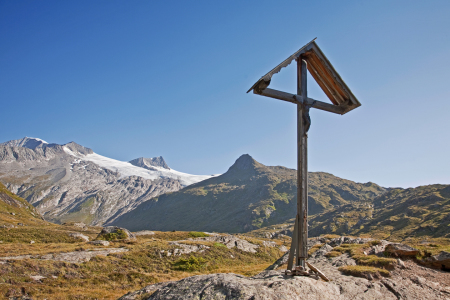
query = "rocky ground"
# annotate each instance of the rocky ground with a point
(407, 280)
(70, 257)
(160, 265)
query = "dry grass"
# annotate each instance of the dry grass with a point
(330, 236)
(364, 271)
(356, 251)
(314, 249)
(429, 246)
(114, 275)
(333, 254)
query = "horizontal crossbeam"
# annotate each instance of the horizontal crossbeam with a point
(296, 99)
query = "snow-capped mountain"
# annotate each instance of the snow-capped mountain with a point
(72, 183)
(126, 169)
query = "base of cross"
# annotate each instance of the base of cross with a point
(301, 271)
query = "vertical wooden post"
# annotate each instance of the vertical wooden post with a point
(294, 244)
(302, 167)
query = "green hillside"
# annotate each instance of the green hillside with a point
(248, 196)
(397, 214)
(21, 223)
(14, 209)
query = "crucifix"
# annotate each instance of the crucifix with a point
(309, 58)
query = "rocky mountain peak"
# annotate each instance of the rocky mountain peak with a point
(26, 142)
(149, 163)
(74, 147)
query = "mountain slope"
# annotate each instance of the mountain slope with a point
(14, 208)
(397, 214)
(248, 196)
(72, 183)
(420, 211)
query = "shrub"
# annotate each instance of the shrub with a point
(375, 242)
(118, 235)
(190, 264)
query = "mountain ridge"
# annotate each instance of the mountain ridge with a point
(71, 182)
(249, 195)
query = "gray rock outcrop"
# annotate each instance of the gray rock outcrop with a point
(183, 249)
(396, 249)
(144, 232)
(79, 236)
(100, 243)
(407, 281)
(114, 232)
(441, 260)
(379, 248)
(230, 241)
(323, 250)
(186, 246)
(70, 257)
(150, 163)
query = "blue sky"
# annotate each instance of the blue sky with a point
(150, 78)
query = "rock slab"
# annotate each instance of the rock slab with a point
(266, 285)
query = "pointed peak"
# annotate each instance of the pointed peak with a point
(26, 142)
(245, 162)
(149, 163)
(76, 148)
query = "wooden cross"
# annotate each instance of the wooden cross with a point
(310, 58)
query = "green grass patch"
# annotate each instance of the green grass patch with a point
(374, 242)
(26, 234)
(198, 234)
(219, 245)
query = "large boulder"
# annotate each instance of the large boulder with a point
(441, 260)
(111, 233)
(397, 249)
(379, 248)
